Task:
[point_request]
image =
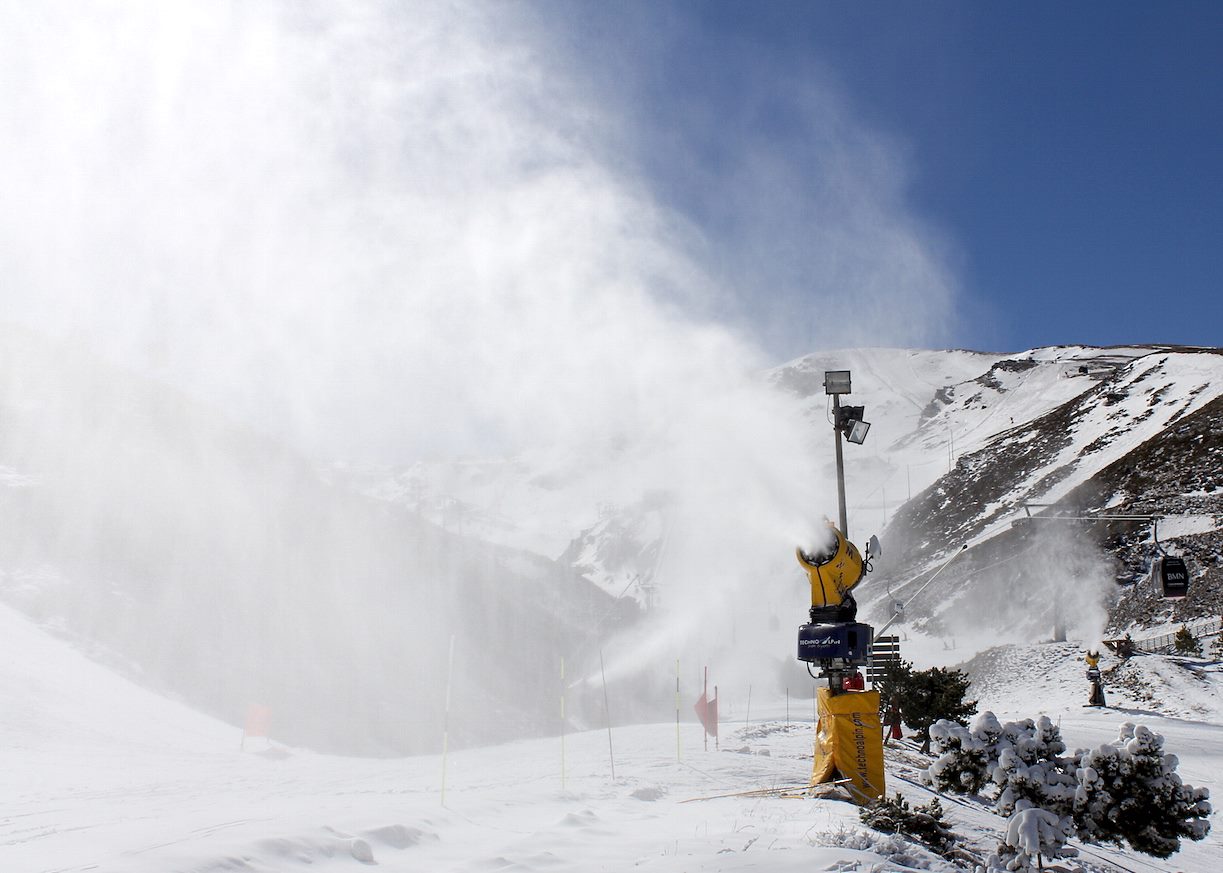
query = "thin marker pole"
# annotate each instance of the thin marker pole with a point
(747, 720)
(607, 710)
(562, 722)
(677, 750)
(446, 717)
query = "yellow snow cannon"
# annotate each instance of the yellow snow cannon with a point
(834, 638)
(849, 737)
(834, 569)
(1095, 678)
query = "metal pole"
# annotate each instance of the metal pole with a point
(446, 716)
(705, 694)
(607, 710)
(836, 427)
(562, 723)
(677, 745)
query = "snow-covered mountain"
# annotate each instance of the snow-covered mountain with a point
(1140, 438)
(960, 442)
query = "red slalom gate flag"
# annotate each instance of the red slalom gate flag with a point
(258, 722)
(707, 712)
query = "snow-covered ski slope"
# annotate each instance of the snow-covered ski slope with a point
(102, 775)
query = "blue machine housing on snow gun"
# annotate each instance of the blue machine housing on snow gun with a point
(848, 643)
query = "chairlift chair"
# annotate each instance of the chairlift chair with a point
(1170, 575)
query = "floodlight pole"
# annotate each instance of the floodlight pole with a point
(836, 428)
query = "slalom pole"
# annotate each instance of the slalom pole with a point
(747, 719)
(787, 706)
(446, 717)
(607, 710)
(562, 722)
(705, 692)
(677, 750)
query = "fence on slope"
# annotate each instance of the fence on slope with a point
(1166, 642)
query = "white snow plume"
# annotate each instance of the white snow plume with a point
(378, 231)
(1071, 572)
(1055, 581)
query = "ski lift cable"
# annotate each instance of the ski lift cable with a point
(1121, 516)
(961, 550)
(1096, 516)
(1014, 557)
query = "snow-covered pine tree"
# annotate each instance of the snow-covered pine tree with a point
(1130, 793)
(1033, 835)
(1124, 793)
(929, 695)
(922, 823)
(1032, 773)
(966, 756)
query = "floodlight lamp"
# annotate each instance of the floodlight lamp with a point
(836, 382)
(857, 431)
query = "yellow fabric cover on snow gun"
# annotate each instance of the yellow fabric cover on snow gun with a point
(834, 571)
(849, 743)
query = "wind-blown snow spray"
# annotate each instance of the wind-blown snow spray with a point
(381, 233)
(1054, 583)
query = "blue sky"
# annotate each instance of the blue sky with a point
(1066, 159)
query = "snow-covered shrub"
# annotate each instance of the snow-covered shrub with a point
(1130, 793)
(893, 847)
(1031, 772)
(1043, 784)
(966, 756)
(1033, 835)
(1126, 792)
(1021, 757)
(925, 824)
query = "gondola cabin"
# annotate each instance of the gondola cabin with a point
(1171, 577)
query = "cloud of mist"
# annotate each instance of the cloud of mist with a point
(385, 231)
(1060, 578)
